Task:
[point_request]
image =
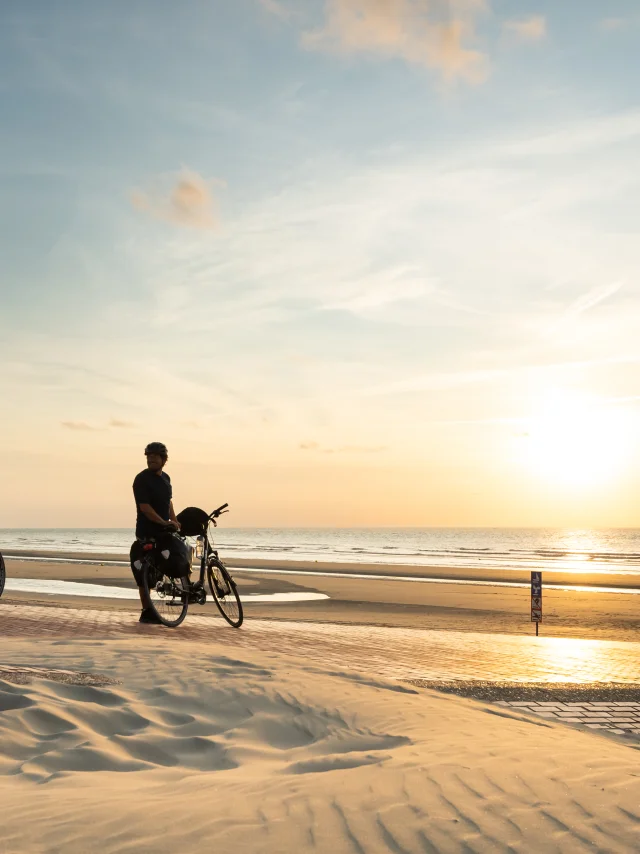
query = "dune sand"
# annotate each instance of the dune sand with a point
(192, 750)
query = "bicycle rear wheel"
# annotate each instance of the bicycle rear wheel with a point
(225, 593)
(169, 597)
(3, 574)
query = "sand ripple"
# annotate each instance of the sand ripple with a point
(194, 751)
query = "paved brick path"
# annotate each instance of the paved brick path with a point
(394, 652)
(391, 652)
(617, 718)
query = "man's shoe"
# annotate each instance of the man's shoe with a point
(149, 616)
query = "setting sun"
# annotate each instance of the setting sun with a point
(574, 441)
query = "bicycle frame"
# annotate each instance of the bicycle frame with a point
(208, 551)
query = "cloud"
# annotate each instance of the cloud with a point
(344, 449)
(530, 29)
(614, 23)
(78, 425)
(83, 426)
(438, 381)
(359, 449)
(593, 297)
(378, 292)
(189, 202)
(455, 379)
(431, 33)
(581, 135)
(276, 8)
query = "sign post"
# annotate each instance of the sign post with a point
(536, 599)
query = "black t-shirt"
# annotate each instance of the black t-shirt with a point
(153, 489)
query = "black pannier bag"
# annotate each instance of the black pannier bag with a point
(136, 554)
(193, 522)
(173, 556)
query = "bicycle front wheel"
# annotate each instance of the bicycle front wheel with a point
(3, 574)
(168, 597)
(225, 593)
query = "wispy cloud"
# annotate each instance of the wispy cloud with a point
(188, 202)
(81, 426)
(530, 29)
(614, 23)
(381, 290)
(328, 243)
(343, 449)
(357, 449)
(455, 379)
(438, 381)
(593, 297)
(583, 135)
(275, 8)
(84, 426)
(440, 36)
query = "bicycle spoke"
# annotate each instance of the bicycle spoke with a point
(169, 597)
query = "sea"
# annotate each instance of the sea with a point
(614, 550)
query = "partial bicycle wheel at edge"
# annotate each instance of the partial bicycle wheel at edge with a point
(3, 574)
(225, 594)
(169, 597)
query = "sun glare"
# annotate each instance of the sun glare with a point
(575, 441)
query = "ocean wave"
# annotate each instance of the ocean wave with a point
(592, 551)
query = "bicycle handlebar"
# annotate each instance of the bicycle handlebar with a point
(217, 512)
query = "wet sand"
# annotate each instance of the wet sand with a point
(374, 601)
(583, 578)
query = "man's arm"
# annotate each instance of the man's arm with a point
(151, 514)
(172, 515)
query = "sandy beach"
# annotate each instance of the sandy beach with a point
(585, 577)
(188, 748)
(311, 729)
(371, 599)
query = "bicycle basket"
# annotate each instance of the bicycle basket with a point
(193, 522)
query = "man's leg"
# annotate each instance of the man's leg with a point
(136, 560)
(148, 614)
(144, 598)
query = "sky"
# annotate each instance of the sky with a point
(356, 262)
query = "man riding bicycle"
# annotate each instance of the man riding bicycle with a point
(155, 515)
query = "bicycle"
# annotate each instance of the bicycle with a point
(3, 574)
(170, 597)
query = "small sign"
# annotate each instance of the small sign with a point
(536, 598)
